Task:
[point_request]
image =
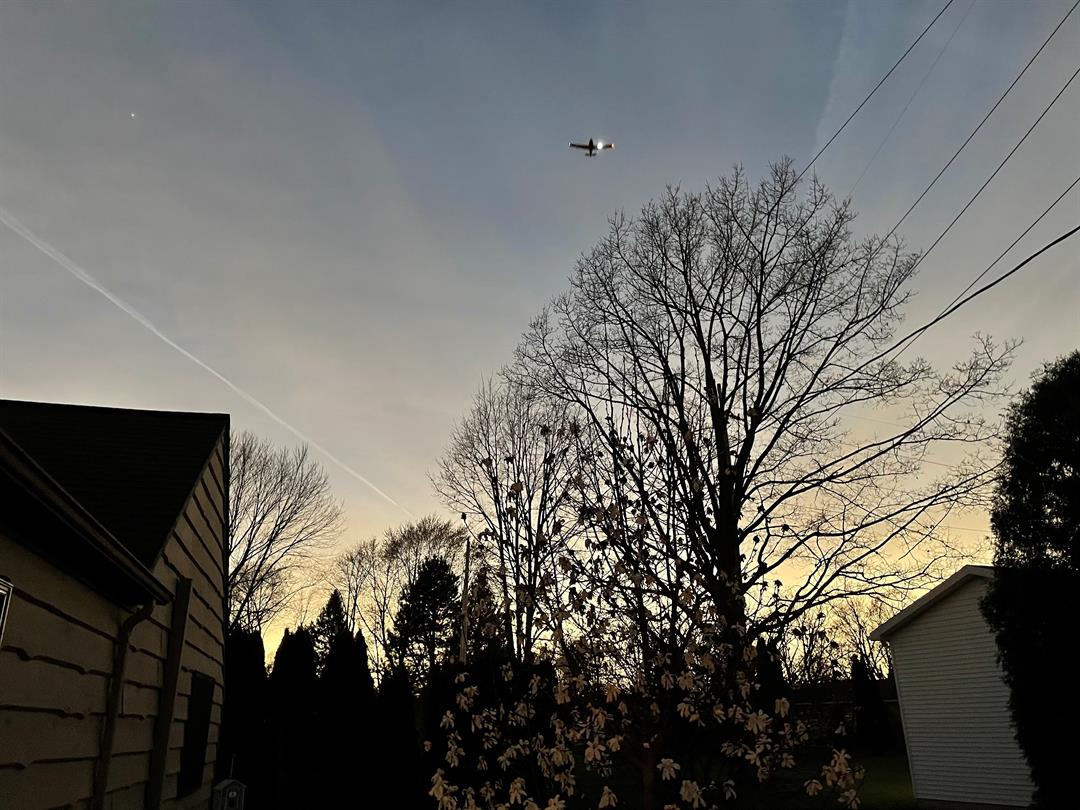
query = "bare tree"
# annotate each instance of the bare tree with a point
(281, 514)
(373, 574)
(412, 544)
(852, 621)
(507, 470)
(719, 346)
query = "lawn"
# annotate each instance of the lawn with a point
(887, 786)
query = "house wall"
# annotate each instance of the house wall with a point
(955, 706)
(196, 550)
(57, 657)
(55, 663)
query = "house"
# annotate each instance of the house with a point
(112, 605)
(953, 699)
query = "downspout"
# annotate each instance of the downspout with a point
(112, 704)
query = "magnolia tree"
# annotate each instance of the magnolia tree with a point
(707, 364)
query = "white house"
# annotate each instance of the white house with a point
(953, 700)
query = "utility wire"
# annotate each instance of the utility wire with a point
(993, 264)
(1000, 166)
(918, 89)
(910, 337)
(986, 117)
(870, 95)
(1000, 256)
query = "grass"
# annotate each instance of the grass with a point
(887, 786)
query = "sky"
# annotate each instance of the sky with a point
(350, 211)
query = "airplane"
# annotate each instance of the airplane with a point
(592, 148)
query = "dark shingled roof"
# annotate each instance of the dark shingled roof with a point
(132, 470)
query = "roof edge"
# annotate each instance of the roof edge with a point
(930, 598)
(221, 440)
(29, 474)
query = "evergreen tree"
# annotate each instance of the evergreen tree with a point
(242, 749)
(426, 624)
(1031, 601)
(349, 730)
(397, 753)
(330, 624)
(294, 674)
(293, 688)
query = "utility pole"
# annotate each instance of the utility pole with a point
(463, 651)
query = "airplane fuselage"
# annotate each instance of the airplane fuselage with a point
(593, 147)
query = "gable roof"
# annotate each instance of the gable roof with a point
(131, 470)
(930, 598)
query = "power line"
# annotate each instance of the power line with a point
(911, 99)
(16, 227)
(910, 337)
(1000, 256)
(998, 169)
(870, 95)
(986, 117)
(979, 277)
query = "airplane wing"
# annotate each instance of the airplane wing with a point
(579, 145)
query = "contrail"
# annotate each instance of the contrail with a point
(82, 275)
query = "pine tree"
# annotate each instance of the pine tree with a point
(330, 624)
(426, 624)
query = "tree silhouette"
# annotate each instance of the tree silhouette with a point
(328, 626)
(1031, 601)
(281, 511)
(424, 627)
(397, 753)
(293, 687)
(486, 638)
(242, 750)
(349, 731)
(372, 575)
(872, 731)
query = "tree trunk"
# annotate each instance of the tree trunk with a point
(647, 763)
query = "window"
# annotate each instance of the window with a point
(5, 597)
(196, 733)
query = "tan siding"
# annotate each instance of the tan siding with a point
(57, 656)
(45, 685)
(954, 705)
(33, 576)
(132, 797)
(49, 784)
(54, 666)
(195, 550)
(35, 736)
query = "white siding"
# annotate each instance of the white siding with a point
(955, 705)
